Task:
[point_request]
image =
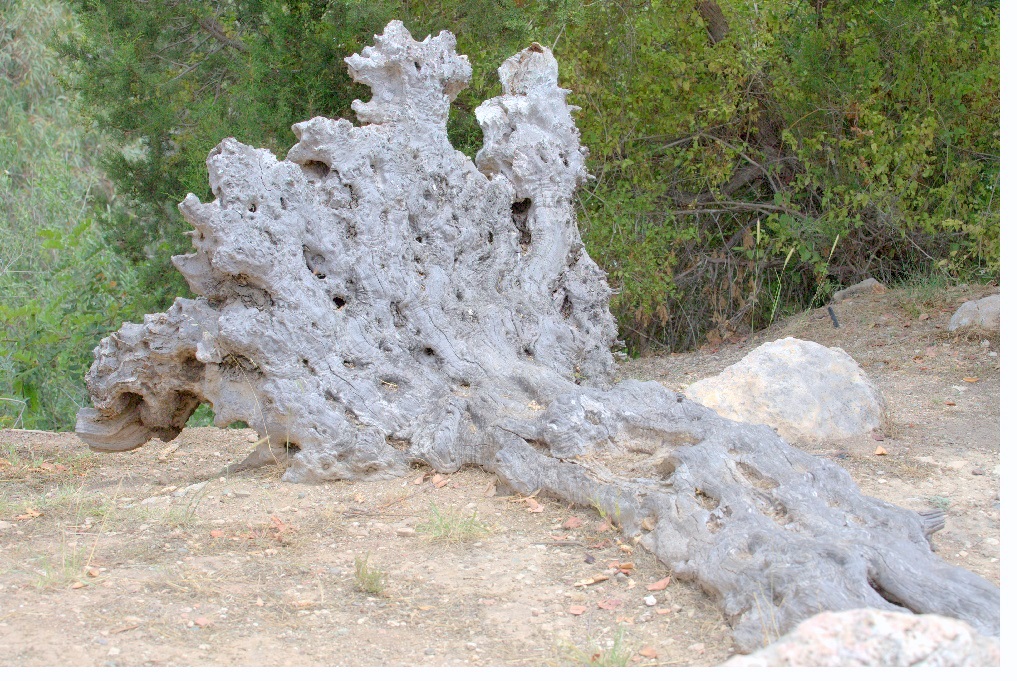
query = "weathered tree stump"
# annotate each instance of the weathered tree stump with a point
(377, 300)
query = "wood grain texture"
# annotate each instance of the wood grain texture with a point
(377, 300)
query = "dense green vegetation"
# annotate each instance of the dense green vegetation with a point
(749, 157)
(62, 288)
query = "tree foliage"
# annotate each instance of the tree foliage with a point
(61, 287)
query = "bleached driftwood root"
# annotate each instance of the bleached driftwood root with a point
(377, 300)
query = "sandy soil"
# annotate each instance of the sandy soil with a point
(126, 559)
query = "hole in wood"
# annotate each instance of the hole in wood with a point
(316, 169)
(520, 216)
(755, 478)
(706, 501)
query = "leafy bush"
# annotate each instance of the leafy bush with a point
(61, 287)
(744, 149)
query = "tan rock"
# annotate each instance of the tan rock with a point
(877, 638)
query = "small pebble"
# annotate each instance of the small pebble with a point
(429, 652)
(977, 471)
(253, 437)
(650, 601)
(113, 651)
(405, 531)
(471, 645)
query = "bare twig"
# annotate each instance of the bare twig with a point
(216, 30)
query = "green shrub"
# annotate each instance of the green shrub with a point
(62, 287)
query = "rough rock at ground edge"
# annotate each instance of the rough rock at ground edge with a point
(876, 638)
(801, 389)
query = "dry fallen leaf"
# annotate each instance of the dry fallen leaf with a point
(659, 586)
(663, 611)
(625, 548)
(439, 480)
(92, 572)
(577, 610)
(425, 608)
(533, 506)
(648, 652)
(216, 534)
(572, 523)
(260, 603)
(951, 403)
(970, 379)
(419, 481)
(359, 498)
(880, 451)
(28, 514)
(202, 622)
(591, 580)
(78, 585)
(126, 627)
(604, 526)
(491, 490)
(303, 605)
(610, 604)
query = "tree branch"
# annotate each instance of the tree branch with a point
(216, 30)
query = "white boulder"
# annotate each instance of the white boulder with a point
(979, 314)
(801, 389)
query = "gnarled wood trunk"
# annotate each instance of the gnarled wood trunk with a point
(377, 299)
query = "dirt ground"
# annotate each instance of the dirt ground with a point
(146, 558)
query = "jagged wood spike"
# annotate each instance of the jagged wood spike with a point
(377, 300)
